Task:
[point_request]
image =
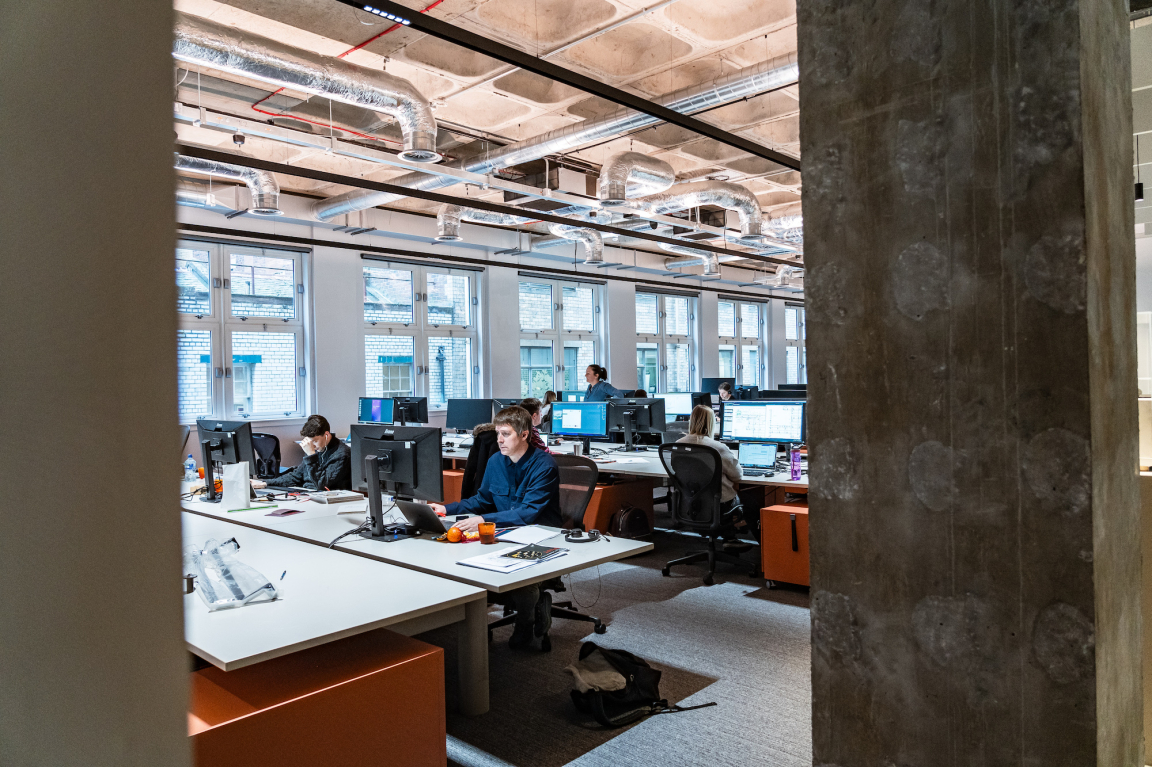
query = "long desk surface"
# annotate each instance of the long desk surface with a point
(320, 524)
(639, 464)
(326, 596)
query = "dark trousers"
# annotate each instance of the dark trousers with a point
(523, 600)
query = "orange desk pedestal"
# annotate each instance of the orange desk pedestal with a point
(374, 698)
(453, 484)
(784, 556)
(608, 499)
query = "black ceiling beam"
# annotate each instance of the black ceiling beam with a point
(518, 58)
(467, 202)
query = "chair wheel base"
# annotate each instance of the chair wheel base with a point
(600, 628)
(770, 584)
(666, 572)
(708, 581)
(545, 643)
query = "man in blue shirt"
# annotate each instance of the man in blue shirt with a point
(521, 487)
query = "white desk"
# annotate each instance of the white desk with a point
(321, 524)
(327, 596)
(644, 464)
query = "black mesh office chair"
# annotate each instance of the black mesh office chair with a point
(578, 475)
(694, 472)
(267, 450)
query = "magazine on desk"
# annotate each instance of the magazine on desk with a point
(511, 560)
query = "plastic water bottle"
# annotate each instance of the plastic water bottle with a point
(190, 469)
(794, 463)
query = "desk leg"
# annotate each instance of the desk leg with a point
(473, 660)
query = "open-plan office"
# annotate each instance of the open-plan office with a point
(492, 340)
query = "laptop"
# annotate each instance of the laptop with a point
(422, 517)
(757, 456)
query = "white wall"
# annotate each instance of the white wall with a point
(502, 341)
(620, 332)
(708, 354)
(1144, 273)
(776, 371)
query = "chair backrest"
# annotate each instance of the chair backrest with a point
(695, 472)
(267, 450)
(578, 476)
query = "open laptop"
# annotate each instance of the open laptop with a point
(422, 517)
(757, 458)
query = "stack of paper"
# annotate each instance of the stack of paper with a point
(527, 535)
(500, 562)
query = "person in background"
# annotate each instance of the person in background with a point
(521, 487)
(327, 463)
(599, 389)
(725, 390)
(534, 406)
(640, 394)
(546, 410)
(701, 425)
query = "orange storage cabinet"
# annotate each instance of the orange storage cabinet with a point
(784, 543)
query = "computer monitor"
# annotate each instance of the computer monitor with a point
(746, 392)
(223, 442)
(403, 461)
(499, 403)
(676, 404)
(466, 414)
(795, 387)
(762, 421)
(410, 410)
(636, 416)
(376, 410)
(758, 455)
(580, 419)
(795, 396)
(573, 396)
(712, 385)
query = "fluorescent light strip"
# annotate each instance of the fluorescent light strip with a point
(386, 15)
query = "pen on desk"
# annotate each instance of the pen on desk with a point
(283, 574)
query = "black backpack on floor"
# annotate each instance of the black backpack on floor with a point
(639, 698)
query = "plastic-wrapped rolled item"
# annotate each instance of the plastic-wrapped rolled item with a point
(222, 581)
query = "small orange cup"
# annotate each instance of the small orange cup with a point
(200, 472)
(487, 532)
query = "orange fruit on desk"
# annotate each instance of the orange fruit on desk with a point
(454, 535)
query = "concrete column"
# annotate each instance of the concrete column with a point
(968, 223)
(93, 668)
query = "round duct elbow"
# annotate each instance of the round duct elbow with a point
(448, 223)
(632, 174)
(592, 240)
(719, 193)
(266, 205)
(262, 185)
(420, 146)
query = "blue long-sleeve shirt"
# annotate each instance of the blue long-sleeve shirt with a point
(526, 492)
(600, 391)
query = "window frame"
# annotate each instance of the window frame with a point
(557, 335)
(741, 343)
(664, 339)
(799, 343)
(421, 329)
(221, 323)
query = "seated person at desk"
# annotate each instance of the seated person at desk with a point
(533, 406)
(327, 463)
(599, 389)
(521, 487)
(700, 428)
(725, 390)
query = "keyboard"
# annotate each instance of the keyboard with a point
(758, 473)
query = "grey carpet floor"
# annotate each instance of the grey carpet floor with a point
(736, 643)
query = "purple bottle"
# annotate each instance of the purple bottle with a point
(795, 463)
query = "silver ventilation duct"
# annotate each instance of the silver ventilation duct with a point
(206, 43)
(750, 81)
(631, 174)
(197, 194)
(265, 191)
(718, 193)
(710, 261)
(449, 216)
(593, 242)
(788, 228)
(788, 277)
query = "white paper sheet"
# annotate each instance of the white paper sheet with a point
(237, 488)
(527, 535)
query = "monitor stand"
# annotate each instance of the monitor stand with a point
(209, 476)
(378, 531)
(628, 446)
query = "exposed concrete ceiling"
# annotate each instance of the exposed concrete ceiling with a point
(671, 46)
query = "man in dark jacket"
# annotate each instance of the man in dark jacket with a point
(327, 463)
(521, 486)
